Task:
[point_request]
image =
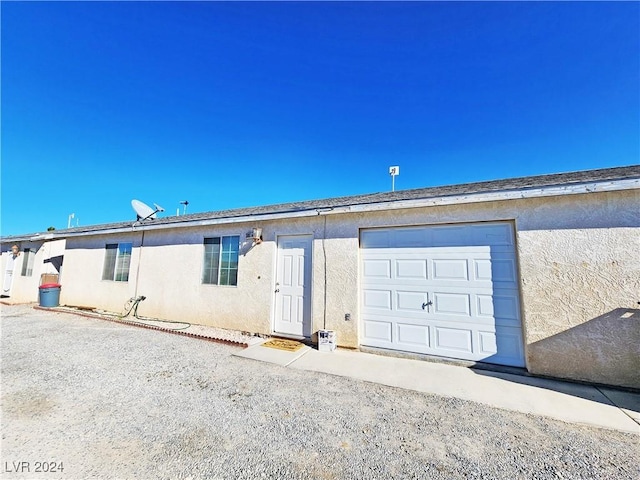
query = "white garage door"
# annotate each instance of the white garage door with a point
(447, 290)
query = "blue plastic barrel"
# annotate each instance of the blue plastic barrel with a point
(50, 295)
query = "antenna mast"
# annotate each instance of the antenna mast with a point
(393, 171)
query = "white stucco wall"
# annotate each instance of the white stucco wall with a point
(171, 279)
(581, 288)
(25, 288)
(577, 258)
(82, 283)
(171, 271)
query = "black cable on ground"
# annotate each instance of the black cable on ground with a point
(134, 307)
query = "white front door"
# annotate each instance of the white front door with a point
(8, 276)
(293, 286)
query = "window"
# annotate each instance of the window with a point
(221, 260)
(27, 262)
(116, 262)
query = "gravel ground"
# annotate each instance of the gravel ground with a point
(181, 327)
(115, 401)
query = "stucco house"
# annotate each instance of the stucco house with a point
(540, 272)
(38, 261)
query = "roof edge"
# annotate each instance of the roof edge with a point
(611, 179)
(480, 197)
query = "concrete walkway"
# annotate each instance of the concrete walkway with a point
(569, 402)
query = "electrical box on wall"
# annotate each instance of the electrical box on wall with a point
(347, 317)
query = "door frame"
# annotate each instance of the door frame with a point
(308, 327)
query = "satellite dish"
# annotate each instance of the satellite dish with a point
(144, 211)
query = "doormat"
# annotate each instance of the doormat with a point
(287, 345)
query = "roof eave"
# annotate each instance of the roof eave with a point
(501, 195)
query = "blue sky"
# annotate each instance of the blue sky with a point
(237, 104)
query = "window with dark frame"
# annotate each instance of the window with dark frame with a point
(221, 260)
(117, 260)
(27, 262)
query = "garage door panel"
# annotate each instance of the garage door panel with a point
(411, 301)
(413, 335)
(410, 237)
(509, 344)
(482, 269)
(504, 346)
(496, 272)
(449, 236)
(377, 268)
(498, 305)
(453, 339)
(506, 307)
(378, 330)
(458, 304)
(484, 306)
(410, 269)
(493, 234)
(487, 344)
(489, 234)
(469, 274)
(503, 271)
(377, 299)
(375, 238)
(450, 269)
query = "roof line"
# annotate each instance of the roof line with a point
(608, 179)
(501, 195)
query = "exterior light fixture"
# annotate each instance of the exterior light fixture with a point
(255, 234)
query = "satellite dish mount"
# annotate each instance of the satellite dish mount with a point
(144, 211)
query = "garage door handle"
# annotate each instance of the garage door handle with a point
(427, 304)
